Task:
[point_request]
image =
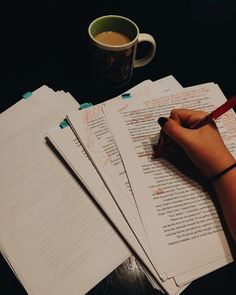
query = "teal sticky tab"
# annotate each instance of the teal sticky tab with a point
(85, 105)
(27, 95)
(64, 124)
(126, 95)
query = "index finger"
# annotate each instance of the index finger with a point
(187, 116)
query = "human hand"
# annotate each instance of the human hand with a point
(204, 146)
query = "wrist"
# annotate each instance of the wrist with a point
(221, 174)
(217, 164)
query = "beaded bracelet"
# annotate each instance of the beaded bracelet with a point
(221, 173)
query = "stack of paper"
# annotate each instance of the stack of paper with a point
(169, 216)
(51, 233)
(51, 228)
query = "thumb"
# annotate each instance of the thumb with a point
(175, 131)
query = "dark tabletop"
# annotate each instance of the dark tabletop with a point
(47, 43)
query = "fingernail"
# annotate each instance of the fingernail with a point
(162, 121)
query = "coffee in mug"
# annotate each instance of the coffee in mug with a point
(112, 38)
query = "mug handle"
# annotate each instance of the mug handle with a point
(149, 56)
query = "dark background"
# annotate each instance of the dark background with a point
(46, 42)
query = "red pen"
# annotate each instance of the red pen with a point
(229, 104)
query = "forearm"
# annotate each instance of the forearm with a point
(225, 188)
(207, 150)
